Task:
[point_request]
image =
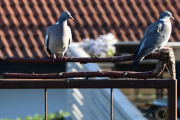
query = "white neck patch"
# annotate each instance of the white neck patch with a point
(163, 19)
(57, 22)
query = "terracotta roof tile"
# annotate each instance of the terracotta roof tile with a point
(23, 23)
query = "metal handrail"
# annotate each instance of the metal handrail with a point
(45, 81)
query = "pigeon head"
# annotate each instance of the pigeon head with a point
(165, 16)
(65, 16)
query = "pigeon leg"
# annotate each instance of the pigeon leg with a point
(62, 57)
(54, 57)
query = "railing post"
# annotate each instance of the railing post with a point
(172, 100)
(45, 91)
(111, 104)
(172, 63)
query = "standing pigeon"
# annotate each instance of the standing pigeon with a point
(58, 37)
(155, 37)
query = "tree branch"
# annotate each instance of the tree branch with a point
(165, 55)
(81, 60)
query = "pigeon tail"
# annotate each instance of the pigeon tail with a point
(141, 56)
(134, 64)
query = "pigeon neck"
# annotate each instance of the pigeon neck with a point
(64, 22)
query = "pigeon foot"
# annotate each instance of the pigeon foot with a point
(53, 57)
(62, 57)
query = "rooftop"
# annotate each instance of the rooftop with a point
(23, 23)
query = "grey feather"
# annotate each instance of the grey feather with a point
(144, 37)
(58, 37)
(46, 41)
(155, 37)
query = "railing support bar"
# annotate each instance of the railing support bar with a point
(111, 104)
(172, 100)
(45, 91)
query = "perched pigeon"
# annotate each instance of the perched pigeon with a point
(155, 37)
(58, 37)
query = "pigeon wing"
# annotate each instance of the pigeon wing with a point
(46, 41)
(150, 38)
(144, 37)
(148, 45)
(70, 36)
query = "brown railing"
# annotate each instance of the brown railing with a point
(140, 79)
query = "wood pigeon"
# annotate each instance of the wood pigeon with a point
(58, 37)
(155, 37)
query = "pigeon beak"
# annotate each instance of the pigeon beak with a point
(172, 17)
(71, 18)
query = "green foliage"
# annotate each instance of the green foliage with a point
(5, 119)
(53, 116)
